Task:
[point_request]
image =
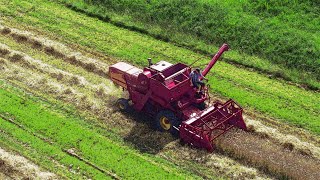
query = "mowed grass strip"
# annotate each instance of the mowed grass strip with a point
(253, 90)
(67, 132)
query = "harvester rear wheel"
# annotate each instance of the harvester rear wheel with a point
(166, 121)
(123, 104)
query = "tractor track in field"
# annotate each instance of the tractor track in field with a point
(262, 148)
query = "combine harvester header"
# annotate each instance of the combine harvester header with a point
(166, 92)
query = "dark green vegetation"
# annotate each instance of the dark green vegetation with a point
(280, 38)
(44, 129)
(254, 91)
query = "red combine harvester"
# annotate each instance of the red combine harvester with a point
(165, 91)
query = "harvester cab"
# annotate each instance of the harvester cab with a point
(165, 91)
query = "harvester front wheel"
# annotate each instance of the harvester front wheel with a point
(166, 121)
(123, 104)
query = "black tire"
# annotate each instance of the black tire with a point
(171, 122)
(123, 104)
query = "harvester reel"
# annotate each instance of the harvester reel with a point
(166, 121)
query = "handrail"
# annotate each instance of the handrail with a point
(175, 74)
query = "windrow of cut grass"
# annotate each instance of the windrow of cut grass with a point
(262, 34)
(55, 49)
(285, 163)
(67, 132)
(58, 74)
(140, 138)
(15, 166)
(285, 140)
(254, 91)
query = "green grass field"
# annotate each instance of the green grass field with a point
(274, 98)
(276, 38)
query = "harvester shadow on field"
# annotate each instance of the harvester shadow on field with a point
(144, 137)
